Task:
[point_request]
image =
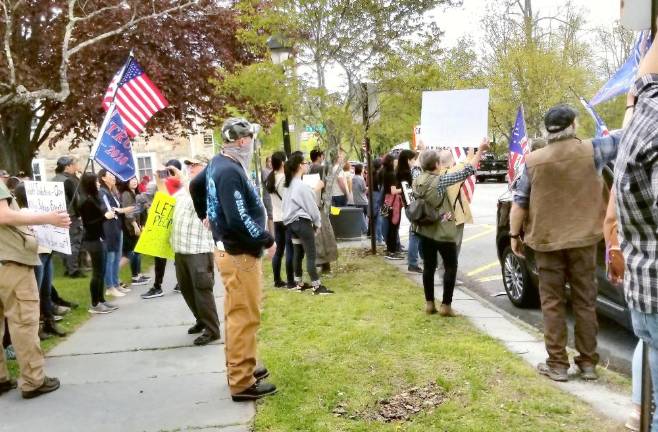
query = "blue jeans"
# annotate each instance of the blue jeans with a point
(636, 374)
(413, 250)
(44, 276)
(646, 328)
(112, 260)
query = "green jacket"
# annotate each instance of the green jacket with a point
(444, 230)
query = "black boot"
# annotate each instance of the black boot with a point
(43, 335)
(258, 390)
(50, 326)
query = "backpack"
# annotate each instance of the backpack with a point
(419, 212)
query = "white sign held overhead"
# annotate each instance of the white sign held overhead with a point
(45, 197)
(454, 118)
(635, 14)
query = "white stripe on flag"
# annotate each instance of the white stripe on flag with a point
(142, 97)
(125, 101)
(152, 89)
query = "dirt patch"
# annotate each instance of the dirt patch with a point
(400, 407)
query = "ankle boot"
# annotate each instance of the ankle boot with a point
(42, 333)
(50, 326)
(430, 308)
(446, 311)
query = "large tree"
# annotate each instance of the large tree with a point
(58, 57)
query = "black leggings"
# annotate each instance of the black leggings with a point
(159, 270)
(392, 244)
(283, 241)
(97, 253)
(303, 236)
(448, 251)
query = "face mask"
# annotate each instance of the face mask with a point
(242, 154)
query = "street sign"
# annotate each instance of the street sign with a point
(635, 14)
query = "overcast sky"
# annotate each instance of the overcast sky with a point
(465, 21)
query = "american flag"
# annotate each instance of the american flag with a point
(601, 128)
(518, 146)
(137, 99)
(468, 188)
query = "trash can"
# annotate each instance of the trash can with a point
(347, 223)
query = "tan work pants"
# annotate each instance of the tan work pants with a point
(242, 278)
(19, 303)
(577, 267)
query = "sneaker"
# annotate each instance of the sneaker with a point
(260, 373)
(205, 339)
(114, 292)
(322, 290)
(291, 285)
(392, 256)
(258, 390)
(280, 284)
(11, 384)
(177, 289)
(144, 278)
(110, 306)
(137, 280)
(10, 354)
(414, 269)
(49, 385)
(153, 293)
(61, 310)
(588, 373)
(553, 373)
(303, 287)
(123, 289)
(100, 308)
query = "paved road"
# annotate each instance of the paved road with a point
(480, 269)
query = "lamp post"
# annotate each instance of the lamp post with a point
(280, 52)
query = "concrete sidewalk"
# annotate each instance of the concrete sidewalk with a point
(134, 370)
(524, 341)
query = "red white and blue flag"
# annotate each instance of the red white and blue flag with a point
(518, 146)
(136, 98)
(601, 128)
(468, 188)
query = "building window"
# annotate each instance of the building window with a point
(38, 170)
(208, 139)
(145, 164)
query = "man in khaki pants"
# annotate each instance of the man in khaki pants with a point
(19, 295)
(224, 195)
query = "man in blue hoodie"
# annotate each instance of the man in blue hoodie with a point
(224, 195)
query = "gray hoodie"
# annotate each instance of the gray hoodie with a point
(299, 202)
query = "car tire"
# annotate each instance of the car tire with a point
(518, 285)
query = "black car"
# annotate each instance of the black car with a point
(492, 167)
(520, 274)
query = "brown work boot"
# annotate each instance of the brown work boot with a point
(49, 385)
(588, 372)
(553, 373)
(446, 311)
(430, 308)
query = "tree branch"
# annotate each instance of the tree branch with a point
(98, 12)
(127, 25)
(7, 42)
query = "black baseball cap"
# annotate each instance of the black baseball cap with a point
(559, 118)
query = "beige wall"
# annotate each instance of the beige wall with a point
(163, 149)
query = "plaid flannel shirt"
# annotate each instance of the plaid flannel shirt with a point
(450, 178)
(636, 184)
(188, 235)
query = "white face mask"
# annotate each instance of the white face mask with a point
(241, 153)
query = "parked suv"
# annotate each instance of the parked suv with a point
(492, 167)
(520, 274)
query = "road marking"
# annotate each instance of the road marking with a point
(490, 278)
(477, 236)
(483, 268)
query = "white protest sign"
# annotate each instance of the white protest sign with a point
(44, 197)
(454, 118)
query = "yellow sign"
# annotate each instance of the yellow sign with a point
(335, 211)
(154, 240)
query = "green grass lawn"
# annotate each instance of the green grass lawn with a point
(371, 340)
(77, 291)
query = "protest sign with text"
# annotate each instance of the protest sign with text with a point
(454, 118)
(45, 197)
(154, 240)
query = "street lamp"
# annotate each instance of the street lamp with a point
(280, 52)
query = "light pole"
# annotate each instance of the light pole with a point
(280, 52)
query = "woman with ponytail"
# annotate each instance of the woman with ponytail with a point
(274, 184)
(302, 217)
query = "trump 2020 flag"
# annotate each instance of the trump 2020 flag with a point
(518, 146)
(136, 97)
(623, 79)
(601, 128)
(113, 150)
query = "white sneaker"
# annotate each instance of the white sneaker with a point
(114, 292)
(100, 308)
(123, 289)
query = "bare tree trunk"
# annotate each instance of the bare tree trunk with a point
(16, 147)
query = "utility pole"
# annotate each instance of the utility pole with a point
(366, 143)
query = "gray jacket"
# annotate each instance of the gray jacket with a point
(299, 202)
